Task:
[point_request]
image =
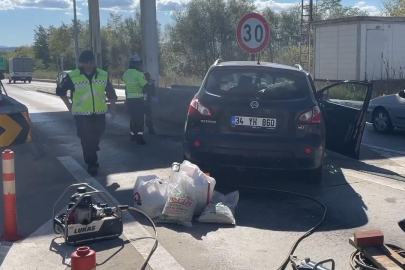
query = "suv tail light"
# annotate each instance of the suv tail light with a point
(196, 108)
(313, 115)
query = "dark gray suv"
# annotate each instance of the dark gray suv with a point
(271, 116)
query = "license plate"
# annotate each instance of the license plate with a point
(253, 121)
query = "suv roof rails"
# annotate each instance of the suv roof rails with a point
(218, 61)
(298, 66)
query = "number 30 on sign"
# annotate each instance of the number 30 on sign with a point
(253, 33)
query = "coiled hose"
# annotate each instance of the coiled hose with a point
(359, 262)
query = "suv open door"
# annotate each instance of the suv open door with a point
(344, 107)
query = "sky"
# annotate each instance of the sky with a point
(18, 18)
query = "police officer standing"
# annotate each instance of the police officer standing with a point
(135, 91)
(89, 88)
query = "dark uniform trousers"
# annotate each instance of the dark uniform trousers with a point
(90, 128)
(136, 108)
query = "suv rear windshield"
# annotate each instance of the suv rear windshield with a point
(264, 83)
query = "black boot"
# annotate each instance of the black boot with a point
(151, 130)
(402, 224)
(140, 140)
(92, 169)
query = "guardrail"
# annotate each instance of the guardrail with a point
(173, 102)
(53, 81)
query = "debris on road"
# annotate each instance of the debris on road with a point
(221, 209)
(203, 184)
(150, 194)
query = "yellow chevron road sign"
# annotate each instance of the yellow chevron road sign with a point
(15, 128)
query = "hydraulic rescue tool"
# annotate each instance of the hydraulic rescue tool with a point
(90, 216)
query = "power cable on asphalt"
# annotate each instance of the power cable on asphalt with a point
(305, 235)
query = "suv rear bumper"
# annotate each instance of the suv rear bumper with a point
(249, 152)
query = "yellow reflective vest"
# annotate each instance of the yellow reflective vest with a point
(89, 98)
(134, 83)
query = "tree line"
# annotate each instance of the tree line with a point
(195, 38)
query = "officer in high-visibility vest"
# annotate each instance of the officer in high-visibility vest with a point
(89, 88)
(135, 91)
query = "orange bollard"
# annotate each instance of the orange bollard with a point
(10, 208)
(83, 259)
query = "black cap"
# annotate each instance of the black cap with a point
(86, 56)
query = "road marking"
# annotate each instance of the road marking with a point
(384, 149)
(384, 181)
(41, 250)
(138, 236)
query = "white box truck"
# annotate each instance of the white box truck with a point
(359, 48)
(20, 69)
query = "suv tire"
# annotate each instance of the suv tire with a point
(315, 176)
(382, 121)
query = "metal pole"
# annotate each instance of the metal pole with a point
(76, 34)
(94, 18)
(311, 5)
(253, 57)
(150, 38)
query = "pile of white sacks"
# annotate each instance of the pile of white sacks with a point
(189, 192)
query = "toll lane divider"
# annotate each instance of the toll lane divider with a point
(15, 123)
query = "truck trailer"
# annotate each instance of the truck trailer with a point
(20, 69)
(359, 48)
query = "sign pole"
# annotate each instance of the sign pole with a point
(252, 57)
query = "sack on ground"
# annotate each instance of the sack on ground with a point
(203, 184)
(221, 209)
(181, 202)
(150, 194)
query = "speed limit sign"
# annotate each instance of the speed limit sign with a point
(253, 33)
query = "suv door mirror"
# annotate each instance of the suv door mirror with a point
(401, 93)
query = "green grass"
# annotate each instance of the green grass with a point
(45, 74)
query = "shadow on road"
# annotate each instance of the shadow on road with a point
(267, 210)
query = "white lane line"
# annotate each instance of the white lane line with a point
(384, 149)
(375, 179)
(43, 250)
(392, 156)
(138, 236)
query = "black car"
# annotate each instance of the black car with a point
(270, 116)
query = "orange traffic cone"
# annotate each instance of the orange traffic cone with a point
(10, 208)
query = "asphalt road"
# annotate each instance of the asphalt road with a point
(367, 194)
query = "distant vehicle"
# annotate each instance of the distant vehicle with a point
(20, 69)
(387, 112)
(270, 116)
(61, 76)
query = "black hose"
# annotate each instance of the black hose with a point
(308, 233)
(359, 262)
(145, 263)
